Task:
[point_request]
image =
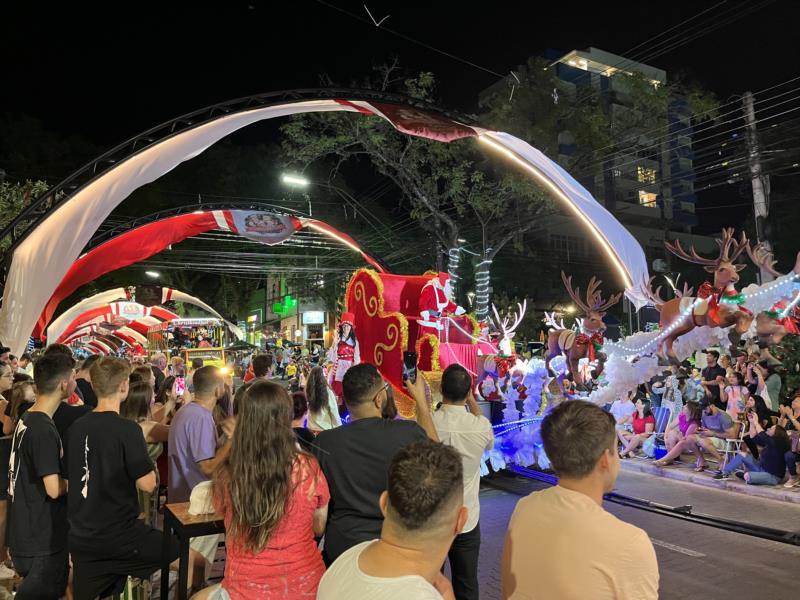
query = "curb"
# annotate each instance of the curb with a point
(678, 473)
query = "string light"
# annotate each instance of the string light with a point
(789, 308)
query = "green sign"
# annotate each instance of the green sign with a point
(285, 307)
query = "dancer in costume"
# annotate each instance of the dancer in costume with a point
(344, 352)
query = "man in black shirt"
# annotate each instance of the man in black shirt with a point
(107, 462)
(355, 457)
(713, 374)
(84, 381)
(38, 524)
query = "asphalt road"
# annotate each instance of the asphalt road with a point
(695, 561)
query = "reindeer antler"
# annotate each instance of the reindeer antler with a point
(574, 293)
(654, 296)
(550, 321)
(763, 258)
(729, 249)
(687, 291)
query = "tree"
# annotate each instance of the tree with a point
(13, 198)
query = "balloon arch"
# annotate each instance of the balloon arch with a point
(82, 202)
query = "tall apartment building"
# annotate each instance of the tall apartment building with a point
(649, 187)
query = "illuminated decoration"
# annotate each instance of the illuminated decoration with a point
(285, 307)
(645, 175)
(647, 199)
(83, 207)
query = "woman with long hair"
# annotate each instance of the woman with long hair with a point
(770, 467)
(13, 396)
(323, 412)
(644, 423)
(165, 401)
(274, 499)
(678, 430)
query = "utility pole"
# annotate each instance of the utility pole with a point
(760, 182)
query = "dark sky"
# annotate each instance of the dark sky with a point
(109, 71)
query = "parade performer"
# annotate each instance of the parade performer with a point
(344, 352)
(435, 304)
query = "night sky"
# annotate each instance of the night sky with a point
(109, 71)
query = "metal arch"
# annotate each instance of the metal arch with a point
(21, 226)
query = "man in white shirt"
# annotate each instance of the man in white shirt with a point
(621, 408)
(423, 512)
(470, 433)
(561, 543)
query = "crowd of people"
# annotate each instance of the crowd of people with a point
(731, 412)
(371, 506)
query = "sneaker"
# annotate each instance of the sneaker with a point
(722, 475)
(6, 573)
(792, 482)
(740, 475)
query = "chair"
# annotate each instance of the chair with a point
(734, 445)
(663, 415)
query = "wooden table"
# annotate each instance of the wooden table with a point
(177, 520)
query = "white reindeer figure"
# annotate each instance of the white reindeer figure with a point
(505, 347)
(550, 321)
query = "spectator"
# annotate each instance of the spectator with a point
(471, 434)
(770, 467)
(107, 463)
(299, 412)
(680, 430)
(13, 362)
(323, 411)
(5, 353)
(84, 381)
(355, 456)
(608, 558)
(159, 366)
(26, 364)
(166, 401)
(197, 363)
(621, 409)
(274, 499)
(239, 396)
(756, 403)
(424, 511)
(713, 375)
(764, 381)
(670, 393)
(75, 398)
(725, 363)
(291, 369)
(790, 421)
(643, 424)
(734, 394)
(262, 365)
(143, 373)
(38, 523)
(194, 453)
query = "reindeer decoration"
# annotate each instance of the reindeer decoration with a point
(589, 341)
(505, 346)
(773, 325)
(716, 305)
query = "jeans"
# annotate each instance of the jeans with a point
(44, 576)
(791, 459)
(463, 556)
(758, 476)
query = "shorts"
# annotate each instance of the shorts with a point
(217, 592)
(43, 576)
(206, 545)
(102, 572)
(718, 443)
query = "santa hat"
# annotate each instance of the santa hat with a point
(348, 318)
(443, 279)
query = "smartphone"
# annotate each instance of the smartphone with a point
(180, 386)
(410, 366)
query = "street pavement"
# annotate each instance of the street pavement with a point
(695, 561)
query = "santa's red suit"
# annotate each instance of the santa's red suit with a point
(343, 354)
(434, 305)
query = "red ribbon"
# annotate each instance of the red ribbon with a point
(592, 341)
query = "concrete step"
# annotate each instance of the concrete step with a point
(685, 472)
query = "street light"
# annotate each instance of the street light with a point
(571, 309)
(153, 274)
(294, 180)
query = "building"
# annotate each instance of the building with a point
(649, 186)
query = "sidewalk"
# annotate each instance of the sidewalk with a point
(685, 472)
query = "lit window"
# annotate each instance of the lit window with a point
(645, 175)
(647, 199)
(617, 173)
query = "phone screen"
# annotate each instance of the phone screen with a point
(410, 366)
(180, 386)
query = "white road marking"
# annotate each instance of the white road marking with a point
(674, 548)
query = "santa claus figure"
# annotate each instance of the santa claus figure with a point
(344, 352)
(435, 304)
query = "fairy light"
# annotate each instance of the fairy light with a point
(789, 308)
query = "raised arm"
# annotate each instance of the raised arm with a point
(417, 391)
